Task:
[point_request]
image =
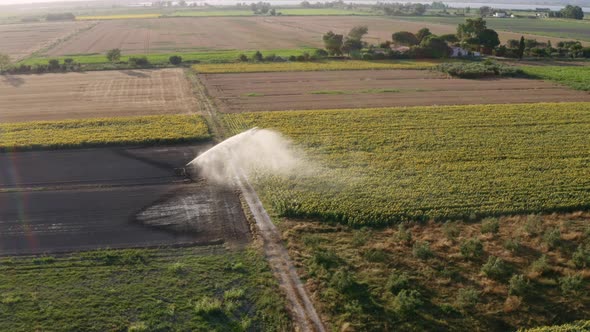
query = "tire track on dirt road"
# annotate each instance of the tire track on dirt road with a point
(304, 315)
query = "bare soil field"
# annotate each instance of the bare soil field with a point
(94, 94)
(248, 33)
(117, 198)
(250, 92)
(20, 40)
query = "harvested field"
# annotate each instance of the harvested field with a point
(20, 40)
(246, 33)
(247, 92)
(94, 94)
(116, 198)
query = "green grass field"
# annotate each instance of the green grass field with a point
(389, 165)
(577, 77)
(102, 132)
(158, 58)
(569, 29)
(187, 289)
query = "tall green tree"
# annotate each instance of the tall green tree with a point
(521, 47)
(423, 33)
(333, 43)
(471, 28)
(358, 32)
(489, 39)
(404, 38)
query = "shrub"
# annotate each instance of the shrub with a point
(533, 225)
(512, 245)
(467, 297)
(581, 257)
(342, 280)
(234, 294)
(368, 56)
(292, 58)
(490, 225)
(422, 250)
(375, 255)
(495, 268)
(478, 70)
(270, 58)
(552, 237)
(326, 258)
(407, 302)
(397, 281)
(53, 65)
(571, 284)
(321, 53)
(451, 230)
(360, 237)
(175, 60)
(207, 306)
(258, 56)
(471, 249)
(139, 61)
(540, 265)
(403, 235)
(519, 285)
(243, 58)
(114, 55)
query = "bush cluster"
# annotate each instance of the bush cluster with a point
(479, 70)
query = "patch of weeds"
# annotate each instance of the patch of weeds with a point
(177, 268)
(385, 90)
(10, 299)
(234, 294)
(118, 257)
(571, 284)
(552, 238)
(254, 94)
(490, 226)
(326, 259)
(312, 240)
(512, 245)
(330, 92)
(207, 306)
(407, 302)
(237, 267)
(360, 237)
(342, 280)
(375, 255)
(422, 250)
(138, 327)
(533, 225)
(451, 230)
(581, 257)
(43, 260)
(467, 298)
(471, 249)
(403, 234)
(519, 285)
(540, 265)
(397, 281)
(495, 268)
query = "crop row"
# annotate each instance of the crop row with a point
(381, 166)
(101, 132)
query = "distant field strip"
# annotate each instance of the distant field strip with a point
(388, 165)
(310, 66)
(577, 77)
(102, 132)
(280, 91)
(116, 17)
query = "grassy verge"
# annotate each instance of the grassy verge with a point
(163, 58)
(497, 275)
(116, 17)
(310, 66)
(189, 289)
(577, 77)
(102, 132)
(583, 325)
(388, 165)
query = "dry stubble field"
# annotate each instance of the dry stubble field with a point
(20, 40)
(249, 92)
(247, 33)
(94, 94)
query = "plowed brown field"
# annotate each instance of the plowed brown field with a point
(248, 33)
(381, 88)
(20, 40)
(94, 94)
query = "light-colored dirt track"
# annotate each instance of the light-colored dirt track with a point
(381, 88)
(94, 94)
(248, 33)
(20, 40)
